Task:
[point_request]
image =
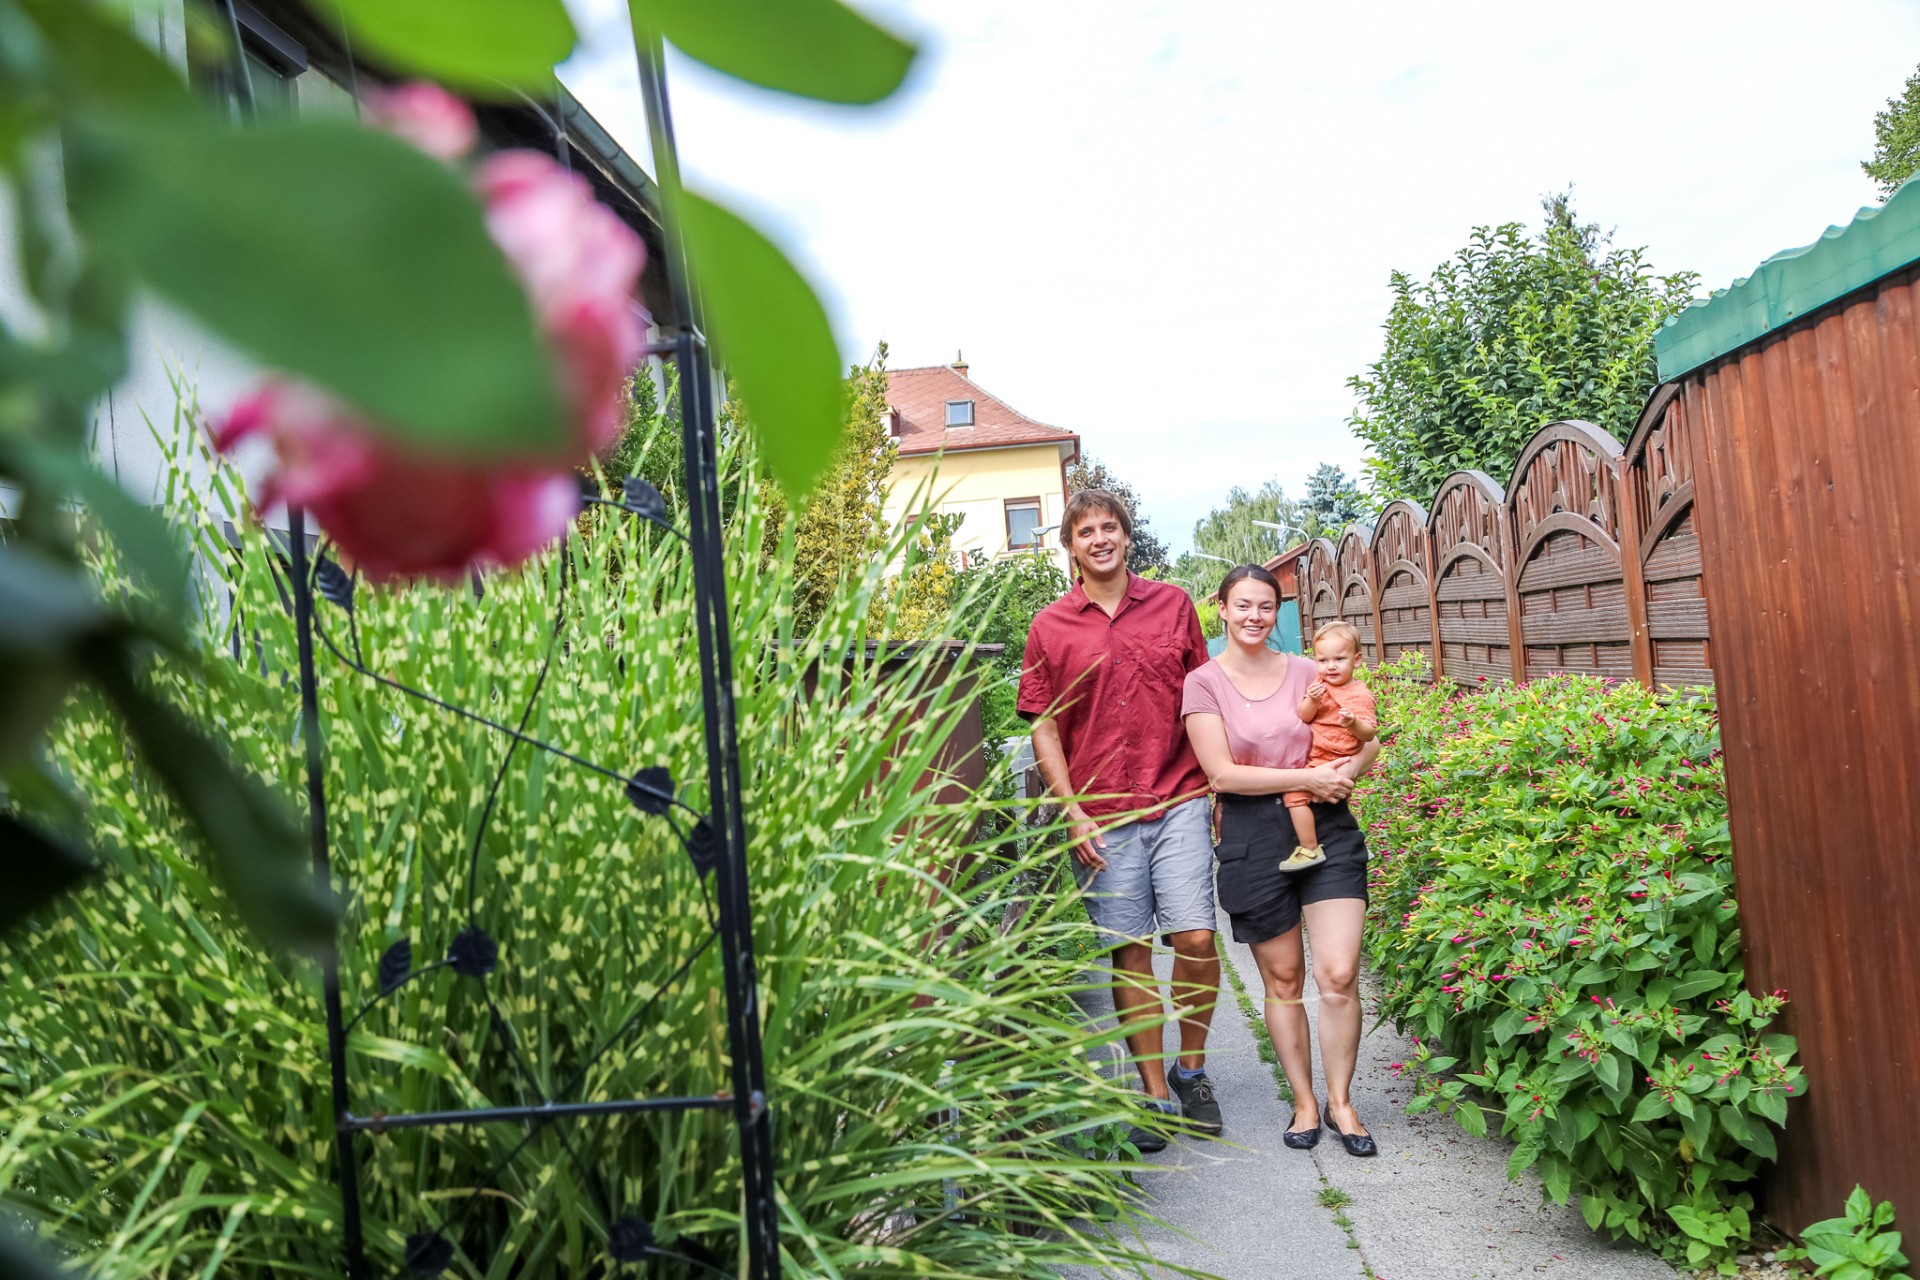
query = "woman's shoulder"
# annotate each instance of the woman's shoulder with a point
(1207, 675)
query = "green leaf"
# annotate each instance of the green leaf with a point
(1471, 1118)
(339, 254)
(813, 48)
(257, 845)
(1695, 984)
(1652, 1107)
(1611, 1071)
(772, 337)
(146, 542)
(1557, 1175)
(45, 606)
(483, 46)
(37, 867)
(1594, 1210)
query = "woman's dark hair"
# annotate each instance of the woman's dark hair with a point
(1240, 573)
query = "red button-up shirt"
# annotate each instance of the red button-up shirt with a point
(1112, 686)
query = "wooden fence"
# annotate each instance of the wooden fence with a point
(1587, 561)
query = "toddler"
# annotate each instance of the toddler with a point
(1341, 713)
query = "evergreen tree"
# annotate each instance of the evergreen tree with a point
(1332, 502)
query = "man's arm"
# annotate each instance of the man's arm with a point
(1050, 757)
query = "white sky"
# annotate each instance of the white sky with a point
(1169, 226)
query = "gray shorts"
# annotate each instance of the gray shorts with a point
(1158, 872)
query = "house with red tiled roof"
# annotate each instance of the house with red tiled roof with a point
(964, 451)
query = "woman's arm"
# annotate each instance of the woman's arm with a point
(1208, 733)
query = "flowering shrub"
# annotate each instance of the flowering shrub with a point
(396, 510)
(1553, 914)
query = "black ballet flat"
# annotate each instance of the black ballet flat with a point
(1357, 1144)
(1300, 1139)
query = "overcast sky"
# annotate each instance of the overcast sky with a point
(1169, 226)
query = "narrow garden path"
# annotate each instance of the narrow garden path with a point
(1434, 1205)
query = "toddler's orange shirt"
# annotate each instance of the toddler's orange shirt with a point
(1331, 739)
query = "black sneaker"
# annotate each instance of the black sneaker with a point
(1197, 1104)
(1151, 1136)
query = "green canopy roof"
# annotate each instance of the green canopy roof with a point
(1792, 283)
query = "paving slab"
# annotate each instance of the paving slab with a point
(1436, 1203)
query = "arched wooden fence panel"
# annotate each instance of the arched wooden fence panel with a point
(1472, 594)
(1353, 565)
(1569, 585)
(1589, 561)
(1405, 584)
(1320, 588)
(1659, 504)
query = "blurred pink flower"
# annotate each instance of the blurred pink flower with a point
(580, 265)
(397, 511)
(426, 115)
(393, 512)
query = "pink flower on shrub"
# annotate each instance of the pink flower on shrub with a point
(397, 511)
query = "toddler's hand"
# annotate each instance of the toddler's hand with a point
(1317, 690)
(1347, 717)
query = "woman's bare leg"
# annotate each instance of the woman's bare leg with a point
(1283, 975)
(1335, 927)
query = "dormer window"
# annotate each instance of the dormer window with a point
(959, 413)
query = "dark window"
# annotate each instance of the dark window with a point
(959, 413)
(273, 58)
(1023, 522)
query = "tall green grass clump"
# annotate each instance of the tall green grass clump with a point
(1553, 915)
(164, 1098)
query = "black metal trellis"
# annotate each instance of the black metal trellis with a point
(715, 843)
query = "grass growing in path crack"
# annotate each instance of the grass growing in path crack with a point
(1329, 1196)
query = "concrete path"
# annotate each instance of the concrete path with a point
(1434, 1205)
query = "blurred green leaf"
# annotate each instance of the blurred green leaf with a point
(257, 845)
(813, 48)
(45, 606)
(37, 867)
(771, 335)
(337, 253)
(100, 62)
(483, 46)
(148, 544)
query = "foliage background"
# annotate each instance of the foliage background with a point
(1511, 333)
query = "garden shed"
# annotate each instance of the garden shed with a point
(1797, 394)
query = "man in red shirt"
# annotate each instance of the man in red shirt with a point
(1102, 680)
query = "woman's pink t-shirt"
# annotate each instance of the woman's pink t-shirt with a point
(1264, 732)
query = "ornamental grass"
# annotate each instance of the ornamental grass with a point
(163, 1085)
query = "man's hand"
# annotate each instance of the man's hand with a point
(1328, 782)
(1087, 840)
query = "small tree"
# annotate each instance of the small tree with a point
(1017, 588)
(1332, 502)
(1896, 139)
(1148, 552)
(1509, 334)
(1230, 532)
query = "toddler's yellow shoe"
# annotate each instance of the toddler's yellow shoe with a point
(1301, 859)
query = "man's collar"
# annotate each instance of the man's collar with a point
(1136, 590)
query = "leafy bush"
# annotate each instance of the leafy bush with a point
(1553, 913)
(1856, 1245)
(163, 1088)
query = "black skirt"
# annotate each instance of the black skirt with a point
(1255, 835)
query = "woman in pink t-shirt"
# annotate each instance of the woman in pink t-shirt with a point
(1241, 716)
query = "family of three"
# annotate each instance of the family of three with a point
(1145, 739)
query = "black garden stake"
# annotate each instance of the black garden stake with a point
(715, 843)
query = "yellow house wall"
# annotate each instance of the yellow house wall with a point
(975, 484)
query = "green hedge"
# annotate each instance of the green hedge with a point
(1553, 916)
